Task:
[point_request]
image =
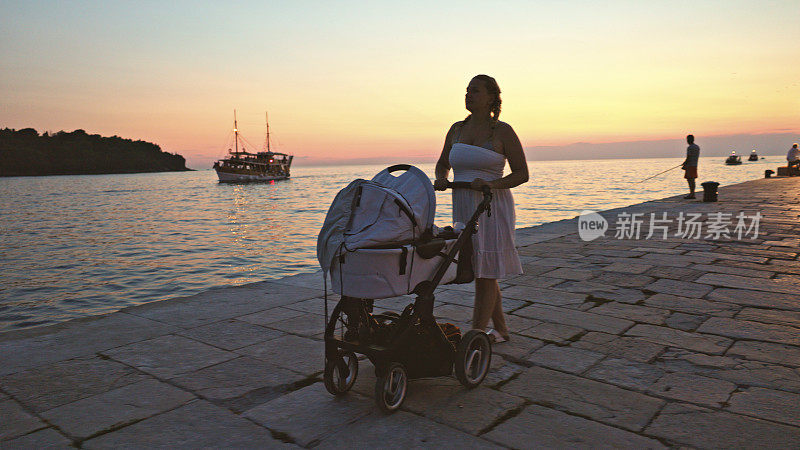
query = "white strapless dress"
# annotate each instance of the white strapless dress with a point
(495, 255)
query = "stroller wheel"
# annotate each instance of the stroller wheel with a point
(473, 357)
(340, 373)
(390, 389)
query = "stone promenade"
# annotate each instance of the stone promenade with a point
(617, 342)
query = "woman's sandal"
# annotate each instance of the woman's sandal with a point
(495, 337)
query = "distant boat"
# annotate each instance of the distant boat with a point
(753, 156)
(733, 159)
(245, 166)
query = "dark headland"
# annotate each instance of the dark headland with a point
(25, 152)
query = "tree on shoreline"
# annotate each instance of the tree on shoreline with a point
(26, 153)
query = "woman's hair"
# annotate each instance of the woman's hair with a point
(494, 90)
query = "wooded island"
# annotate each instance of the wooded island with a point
(27, 153)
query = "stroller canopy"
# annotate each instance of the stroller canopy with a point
(386, 210)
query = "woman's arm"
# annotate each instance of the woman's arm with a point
(443, 164)
(516, 159)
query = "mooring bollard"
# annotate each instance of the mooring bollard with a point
(710, 191)
(768, 173)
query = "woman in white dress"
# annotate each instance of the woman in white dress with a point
(477, 148)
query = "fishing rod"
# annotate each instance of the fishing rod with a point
(659, 173)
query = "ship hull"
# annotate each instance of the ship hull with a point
(229, 177)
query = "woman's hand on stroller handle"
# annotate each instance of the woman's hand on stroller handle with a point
(476, 185)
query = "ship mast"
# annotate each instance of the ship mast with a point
(267, 118)
(236, 133)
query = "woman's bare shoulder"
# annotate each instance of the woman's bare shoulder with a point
(454, 127)
(504, 128)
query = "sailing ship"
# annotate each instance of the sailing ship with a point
(733, 159)
(753, 156)
(241, 165)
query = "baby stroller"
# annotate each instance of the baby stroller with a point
(378, 241)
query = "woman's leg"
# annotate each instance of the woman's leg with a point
(498, 319)
(484, 303)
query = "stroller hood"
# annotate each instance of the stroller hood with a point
(388, 209)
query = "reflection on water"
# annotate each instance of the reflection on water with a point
(72, 246)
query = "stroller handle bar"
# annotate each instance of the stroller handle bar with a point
(426, 290)
(467, 185)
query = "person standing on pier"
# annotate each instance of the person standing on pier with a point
(477, 149)
(690, 164)
(793, 158)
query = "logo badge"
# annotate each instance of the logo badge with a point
(591, 225)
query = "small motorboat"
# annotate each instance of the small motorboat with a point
(753, 156)
(733, 159)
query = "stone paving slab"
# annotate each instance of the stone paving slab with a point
(401, 431)
(619, 279)
(638, 313)
(549, 331)
(633, 268)
(674, 273)
(589, 321)
(239, 377)
(685, 322)
(788, 284)
(116, 408)
(745, 329)
(518, 348)
(309, 325)
(204, 308)
(736, 370)
(625, 373)
(16, 421)
(707, 428)
(47, 438)
(778, 406)
(544, 296)
(74, 339)
(693, 388)
(762, 299)
(677, 338)
(785, 355)
(734, 270)
(329, 414)
(676, 287)
(692, 305)
(271, 315)
(631, 348)
(169, 356)
(298, 354)
(473, 410)
(598, 401)
(198, 424)
(47, 387)
(231, 334)
(602, 291)
(567, 359)
(540, 427)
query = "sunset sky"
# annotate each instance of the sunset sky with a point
(344, 80)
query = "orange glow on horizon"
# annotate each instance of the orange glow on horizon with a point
(370, 85)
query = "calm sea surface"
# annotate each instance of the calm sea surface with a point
(72, 246)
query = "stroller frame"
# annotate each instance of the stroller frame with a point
(409, 345)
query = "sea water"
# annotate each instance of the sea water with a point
(74, 246)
